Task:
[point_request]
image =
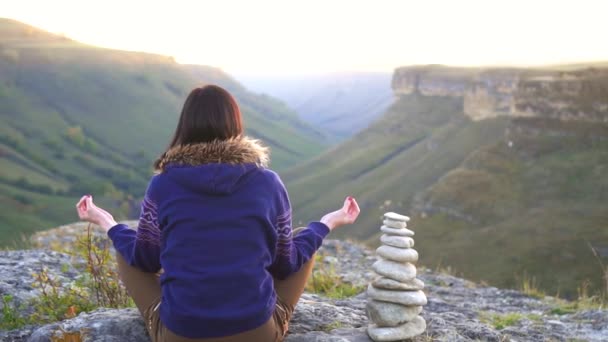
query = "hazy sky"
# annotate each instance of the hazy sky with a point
(282, 36)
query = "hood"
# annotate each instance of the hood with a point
(217, 167)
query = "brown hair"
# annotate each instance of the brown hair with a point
(210, 113)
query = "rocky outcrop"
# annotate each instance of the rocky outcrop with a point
(18, 271)
(575, 94)
(455, 310)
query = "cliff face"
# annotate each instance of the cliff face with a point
(580, 94)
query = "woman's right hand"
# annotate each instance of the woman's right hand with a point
(88, 211)
(346, 215)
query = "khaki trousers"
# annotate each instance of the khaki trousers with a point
(145, 289)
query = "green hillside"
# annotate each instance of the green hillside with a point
(78, 119)
(490, 211)
(417, 141)
(529, 209)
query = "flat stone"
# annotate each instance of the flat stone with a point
(397, 254)
(397, 241)
(395, 270)
(394, 224)
(396, 217)
(390, 314)
(397, 231)
(391, 284)
(408, 330)
(409, 298)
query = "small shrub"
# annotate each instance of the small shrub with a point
(324, 280)
(11, 319)
(101, 274)
(56, 303)
(75, 135)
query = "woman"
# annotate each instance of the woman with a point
(218, 223)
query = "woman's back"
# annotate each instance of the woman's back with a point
(218, 237)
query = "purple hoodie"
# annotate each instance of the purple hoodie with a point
(218, 222)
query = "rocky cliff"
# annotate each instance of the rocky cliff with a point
(566, 93)
(458, 310)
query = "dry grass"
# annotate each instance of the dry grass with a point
(529, 286)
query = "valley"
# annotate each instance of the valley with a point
(338, 104)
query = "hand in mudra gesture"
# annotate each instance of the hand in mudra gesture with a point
(346, 215)
(88, 211)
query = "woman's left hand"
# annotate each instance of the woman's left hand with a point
(346, 215)
(88, 211)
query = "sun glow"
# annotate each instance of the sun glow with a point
(279, 36)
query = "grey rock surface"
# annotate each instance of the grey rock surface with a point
(102, 325)
(452, 313)
(18, 270)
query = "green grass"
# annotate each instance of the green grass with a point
(583, 301)
(501, 321)
(563, 307)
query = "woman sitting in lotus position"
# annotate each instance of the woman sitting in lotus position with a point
(218, 222)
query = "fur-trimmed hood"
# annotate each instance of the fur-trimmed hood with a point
(241, 150)
(218, 167)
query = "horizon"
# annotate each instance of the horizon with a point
(276, 39)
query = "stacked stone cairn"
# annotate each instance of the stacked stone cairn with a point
(395, 298)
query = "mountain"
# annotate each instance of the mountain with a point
(502, 171)
(340, 104)
(78, 119)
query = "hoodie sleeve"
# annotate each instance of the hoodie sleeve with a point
(293, 251)
(140, 248)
